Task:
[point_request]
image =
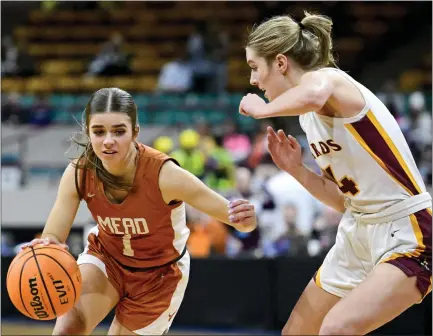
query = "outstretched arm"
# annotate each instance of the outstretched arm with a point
(286, 153)
(63, 213)
(178, 184)
(65, 208)
(310, 95)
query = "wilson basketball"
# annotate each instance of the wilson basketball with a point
(44, 281)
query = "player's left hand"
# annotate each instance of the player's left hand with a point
(252, 105)
(242, 215)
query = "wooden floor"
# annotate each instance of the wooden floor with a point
(35, 328)
(15, 328)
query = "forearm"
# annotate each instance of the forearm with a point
(51, 235)
(321, 188)
(60, 221)
(293, 102)
(59, 234)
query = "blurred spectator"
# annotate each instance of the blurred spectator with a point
(269, 219)
(163, 144)
(390, 96)
(196, 42)
(425, 164)
(219, 50)
(41, 112)
(324, 231)
(199, 243)
(208, 236)
(238, 144)
(9, 57)
(401, 119)
(207, 141)
(189, 155)
(259, 153)
(420, 119)
(198, 48)
(12, 110)
(292, 242)
(111, 60)
(176, 76)
(242, 244)
(15, 59)
(284, 189)
(220, 167)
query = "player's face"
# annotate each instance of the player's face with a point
(267, 77)
(111, 136)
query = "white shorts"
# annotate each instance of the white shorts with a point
(149, 300)
(359, 247)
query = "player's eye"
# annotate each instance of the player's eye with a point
(119, 132)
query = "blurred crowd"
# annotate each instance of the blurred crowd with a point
(201, 66)
(290, 220)
(238, 165)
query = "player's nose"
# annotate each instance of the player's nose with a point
(108, 141)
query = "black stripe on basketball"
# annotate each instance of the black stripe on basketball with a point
(46, 247)
(43, 281)
(21, 276)
(64, 270)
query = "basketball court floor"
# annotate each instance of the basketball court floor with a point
(24, 327)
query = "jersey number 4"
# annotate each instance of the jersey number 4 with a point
(346, 184)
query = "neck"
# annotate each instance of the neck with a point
(295, 76)
(126, 168)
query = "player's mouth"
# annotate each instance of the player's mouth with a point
(109, 152)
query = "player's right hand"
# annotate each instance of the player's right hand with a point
(44, 241)
(285, 151)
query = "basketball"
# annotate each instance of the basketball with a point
(44, 281)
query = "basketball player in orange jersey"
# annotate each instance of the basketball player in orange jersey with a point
(380, 264)
(136, 259)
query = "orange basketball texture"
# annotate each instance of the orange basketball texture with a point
(44, 282)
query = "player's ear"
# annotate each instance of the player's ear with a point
(136, 132)
(282, 63)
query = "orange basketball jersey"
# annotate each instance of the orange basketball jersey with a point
(142, 231)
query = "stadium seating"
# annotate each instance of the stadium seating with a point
(64, 41)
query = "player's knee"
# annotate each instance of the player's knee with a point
(287, 330)
(337, 327)
(293, 328)
(71, 323)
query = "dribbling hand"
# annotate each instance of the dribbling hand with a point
(252, 105)
(242, 215)
(44, 241)
(285, 151)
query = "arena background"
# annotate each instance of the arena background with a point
(184, 64)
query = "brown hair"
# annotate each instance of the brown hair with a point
(102, 101)
(308, 43)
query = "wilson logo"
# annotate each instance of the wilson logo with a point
(36, 302)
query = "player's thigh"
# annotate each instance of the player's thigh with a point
(98, 297)
(310, 310)
(154, 297)
(385, 294)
